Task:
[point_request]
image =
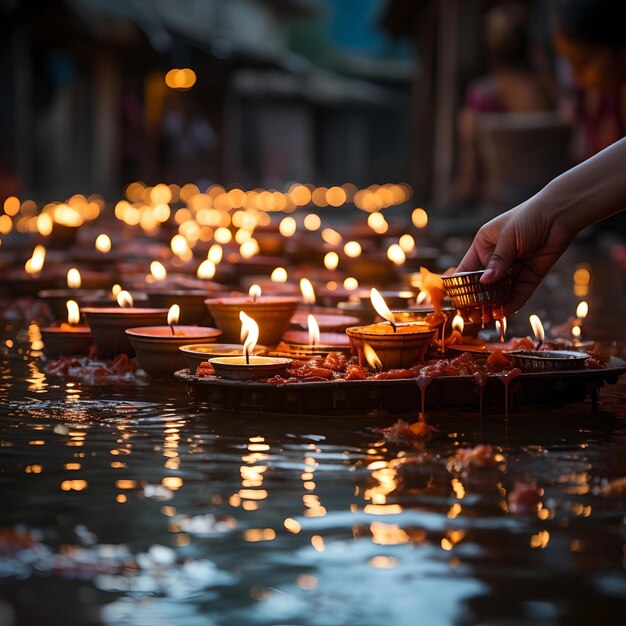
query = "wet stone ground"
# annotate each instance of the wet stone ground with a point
(126, 505)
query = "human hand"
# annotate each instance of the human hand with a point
(526, 240)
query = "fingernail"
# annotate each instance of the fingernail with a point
(487, 275)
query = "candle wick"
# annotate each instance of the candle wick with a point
(172, 329)
(539, 344)
(247, 357)
(393, 326)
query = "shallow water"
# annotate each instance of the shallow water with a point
(126, 505)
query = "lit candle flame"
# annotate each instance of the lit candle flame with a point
(371, 357)
(206, 270)
(115, 290)
(173, 315)
(73, 312)
(215, 253)
(407, 243)
(380, 306)
(582, 310)
(308, 293)
(501, 326)
(537, 327)
(422, 297)
(458, 323)
(34, 265)
(125, 300)
(74, 280)
(279, 275)
(249, 329)
(254, 292)
(352, 249)
(103, 243)
(314, 330)
(396, 254)
(287, 226)
(576, 332)
(331, 260)
(158, 271)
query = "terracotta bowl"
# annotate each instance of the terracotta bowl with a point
(108, 325)
(60, 342)
(271, 313)
(157, 349)
(56, 299)
(236, 368)
(191, 302)
(395, 350)
(194, 354)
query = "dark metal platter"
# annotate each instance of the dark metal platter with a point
(358, 396)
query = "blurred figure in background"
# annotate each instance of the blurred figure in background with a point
(510, 87)
(591, 36)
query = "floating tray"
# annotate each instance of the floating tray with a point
(362, 396)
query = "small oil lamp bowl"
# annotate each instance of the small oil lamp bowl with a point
(236, 368)
(298, 341)
(466, 290)
(548, 360)
(191, 301)
(66, 340)
(272, 314)
(108, 325)
(157, 349)
(197, 353)
(56, 299)
(326, 321)
(395, 350)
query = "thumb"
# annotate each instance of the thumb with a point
(501, 259)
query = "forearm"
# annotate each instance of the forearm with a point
(589, 192)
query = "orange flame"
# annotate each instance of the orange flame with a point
(537, 327)
(371, 357)
(173, 315)
(73, 312)
(74, 280)
(125, 300)
(249, 333)
(314, 330)
(380, 306)
(308, 293)
(458, 323)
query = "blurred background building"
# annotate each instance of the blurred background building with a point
(98, 93)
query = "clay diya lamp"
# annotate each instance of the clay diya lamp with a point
(397, 345)
(108, 324)
(248, 366)
(191, 302)
(194, 354)
(56, 298)
(327, 319)
(157, 347)
(313, 342)
(271, 312)
(68, 339)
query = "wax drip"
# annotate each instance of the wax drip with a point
(443, 333)
(506, 377)
(481, 382)
(422, 383)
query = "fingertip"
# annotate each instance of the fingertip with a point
(488, 275)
